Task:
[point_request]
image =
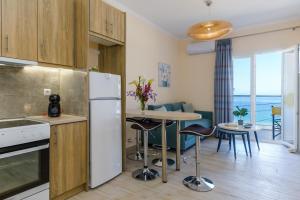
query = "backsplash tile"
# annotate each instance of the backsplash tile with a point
(72, 86)
(21, 91)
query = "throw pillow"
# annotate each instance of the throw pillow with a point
(188, 107)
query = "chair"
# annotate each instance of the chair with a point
(145, 125)
(198, 183)
(276, 121)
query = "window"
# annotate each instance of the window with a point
(268, 86)
(242, 85)
(257, 86)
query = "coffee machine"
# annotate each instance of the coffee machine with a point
(54, 106)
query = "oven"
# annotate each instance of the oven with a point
(24, 170)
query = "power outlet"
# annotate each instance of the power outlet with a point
(47, 92)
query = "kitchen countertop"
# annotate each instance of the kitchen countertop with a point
(63, 119)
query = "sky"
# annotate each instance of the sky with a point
(268, 74)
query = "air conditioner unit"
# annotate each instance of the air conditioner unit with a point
(201, 47)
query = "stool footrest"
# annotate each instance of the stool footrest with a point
(198, 184)
(137, 156)
(158, 162)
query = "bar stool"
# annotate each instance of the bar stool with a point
(146, 125)
(138, 155)
(198, 183)
(158, 161)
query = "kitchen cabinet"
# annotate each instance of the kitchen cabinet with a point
(107, 20)
(56, 27)
(19, 29)
(117, 21)
(68, 159)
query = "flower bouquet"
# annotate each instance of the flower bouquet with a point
(143, 91)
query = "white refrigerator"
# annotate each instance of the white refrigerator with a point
(105, 127)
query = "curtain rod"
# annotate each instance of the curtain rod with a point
(272, 31)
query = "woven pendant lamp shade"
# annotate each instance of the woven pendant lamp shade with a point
(210, 30)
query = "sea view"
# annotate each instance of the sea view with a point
(263, 107)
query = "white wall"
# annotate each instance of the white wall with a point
(146, 47)
(196, 78)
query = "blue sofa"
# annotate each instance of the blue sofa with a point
(187, 141)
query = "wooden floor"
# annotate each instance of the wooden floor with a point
(271, 174)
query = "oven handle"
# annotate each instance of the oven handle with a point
(23, 151)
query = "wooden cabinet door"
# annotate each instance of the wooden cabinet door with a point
(56, 27)
(107, 20)
(116, 20)
(68, 157)
(19, 29)
(98, 17)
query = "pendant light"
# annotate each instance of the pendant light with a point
(210, 30)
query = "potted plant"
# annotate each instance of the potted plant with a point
(143, 91)
(240, 112)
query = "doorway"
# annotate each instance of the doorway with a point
(290, 96)
(266, 80)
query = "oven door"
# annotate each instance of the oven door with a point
(23, 168)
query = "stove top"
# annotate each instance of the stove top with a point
(22, 131)
(17, 123)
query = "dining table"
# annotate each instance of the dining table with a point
(164, 116)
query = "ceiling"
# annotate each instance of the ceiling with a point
(175, 16)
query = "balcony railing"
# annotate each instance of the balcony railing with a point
(264, 105)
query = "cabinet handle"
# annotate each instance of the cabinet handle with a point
(55, 136)
(111, 28)
(6, 38)
(106, 27)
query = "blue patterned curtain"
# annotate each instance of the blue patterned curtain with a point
(223, 82)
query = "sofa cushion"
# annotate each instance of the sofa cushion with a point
(162, 108)
(177, 106)
(153, 107)
(188, 107)
(169, 106)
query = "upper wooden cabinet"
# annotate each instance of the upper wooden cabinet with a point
(19, 29)
(107, 20)
(56, 25)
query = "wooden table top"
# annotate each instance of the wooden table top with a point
(163, 115)
(235, 127)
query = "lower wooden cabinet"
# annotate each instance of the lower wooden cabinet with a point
(68, 159)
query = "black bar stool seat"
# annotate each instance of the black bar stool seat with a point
(198, 183)
(144, 124)
(196, 130)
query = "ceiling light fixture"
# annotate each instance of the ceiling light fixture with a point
(210, 30)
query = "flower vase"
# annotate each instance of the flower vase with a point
(142, 106)
(240, 122)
